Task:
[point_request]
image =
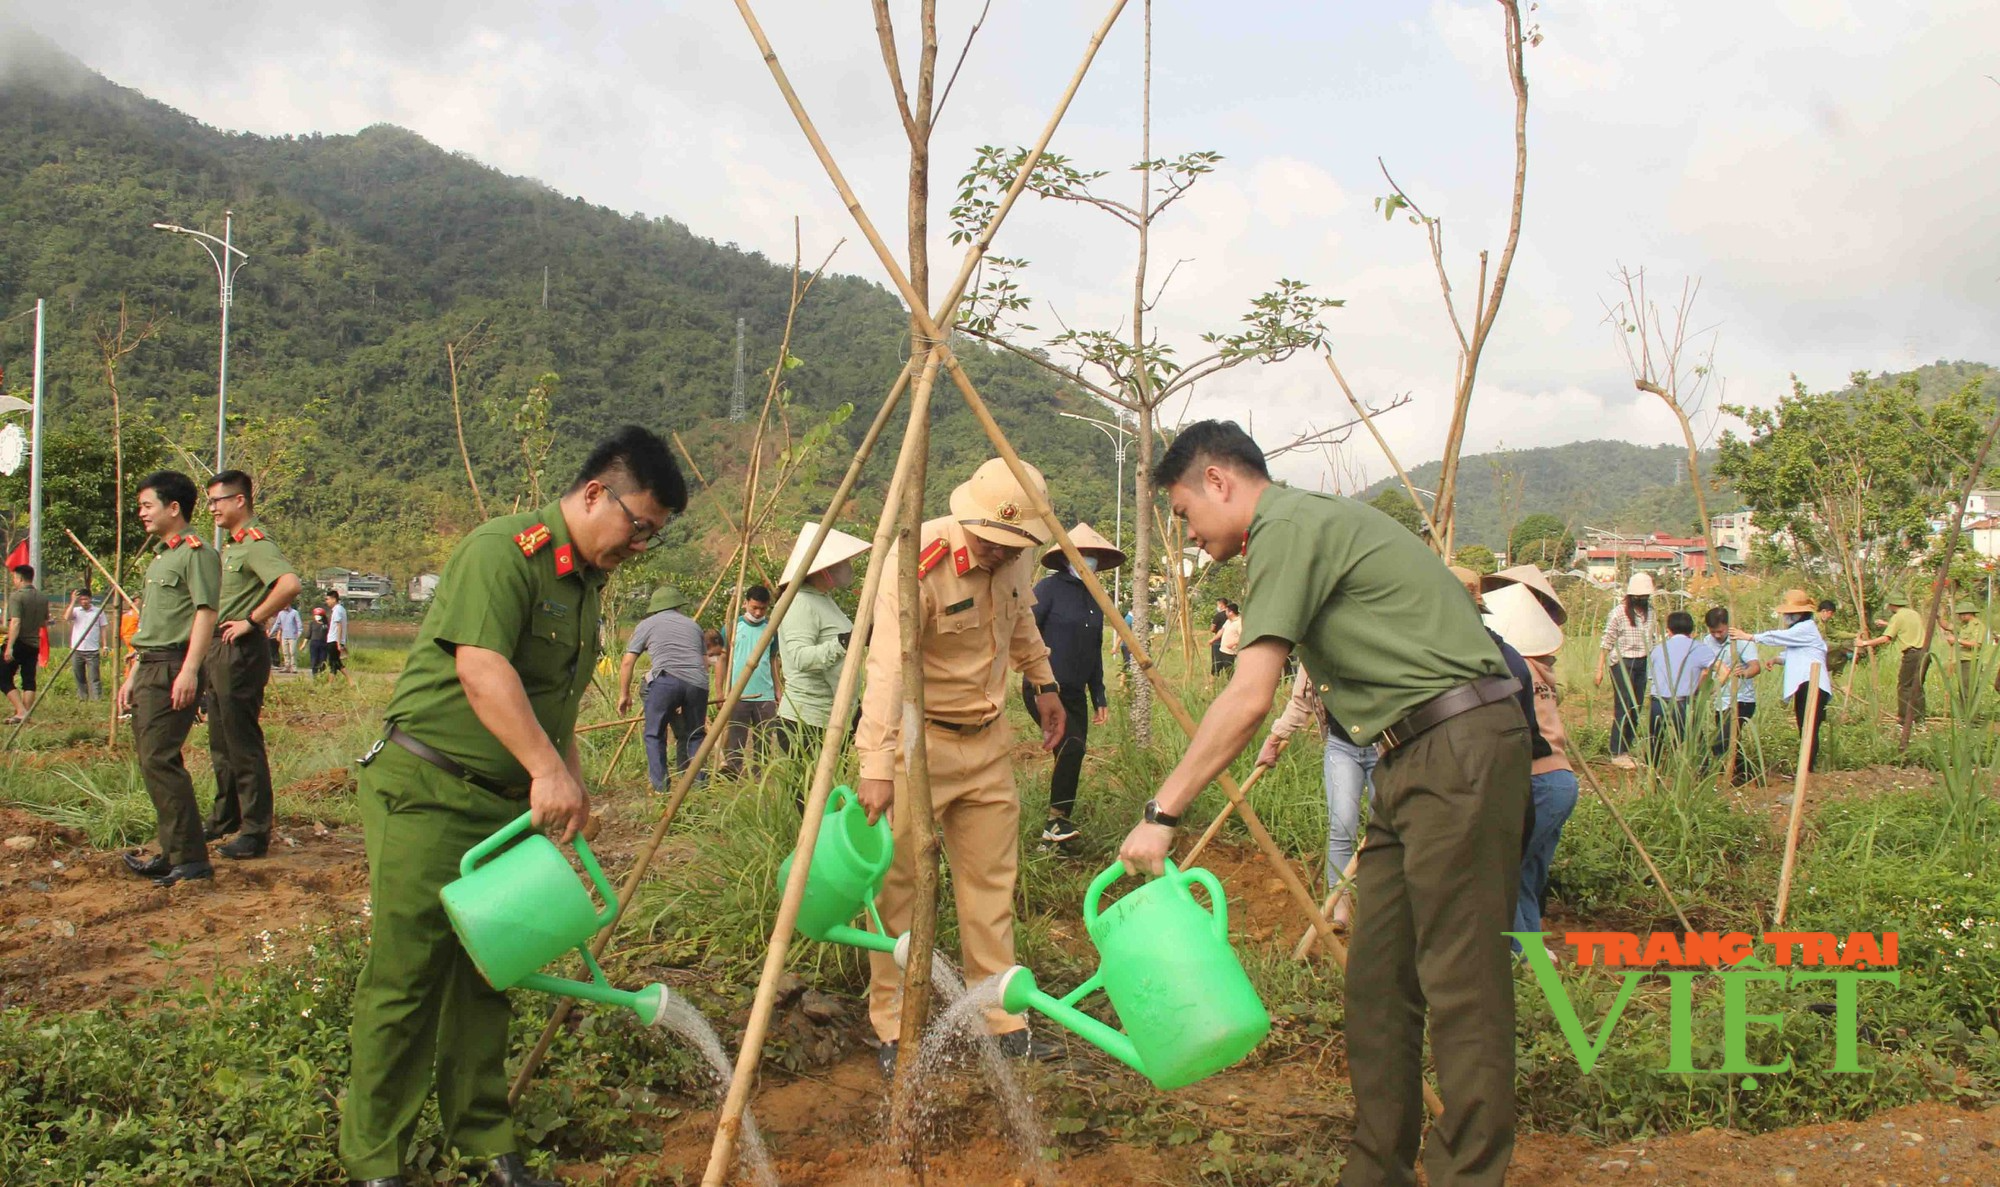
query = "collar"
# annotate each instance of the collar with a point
(956, 538)
(249, 531)
(178, 540)
(568, 562)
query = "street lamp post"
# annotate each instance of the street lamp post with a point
(1120, 439)
(227, 258)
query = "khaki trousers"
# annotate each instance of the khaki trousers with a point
(1435, 889)
(978, 814)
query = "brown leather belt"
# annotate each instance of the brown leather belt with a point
(1446, 705)
(449, 767)
(962, 727)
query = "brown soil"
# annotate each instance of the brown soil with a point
(77, 929)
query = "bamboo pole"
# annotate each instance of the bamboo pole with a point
(750, 1052)
(622, 742)
(1222, 817)
(605, 725)
(1341, 888)
(1799, 781)
(61, 668)
(1381, 442)
(728, 520)
(686, 778)
(1583, 768)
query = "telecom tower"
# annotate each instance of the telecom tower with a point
(736, 409)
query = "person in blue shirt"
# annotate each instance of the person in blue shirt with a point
(1735, 665)
(760, 696)
(1674, 671)
(1803, 647)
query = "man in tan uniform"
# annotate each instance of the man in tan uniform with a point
(976, 583)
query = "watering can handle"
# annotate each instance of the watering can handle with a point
(841, 797)
(523, 823)
(495, 843)
(1103, 881)
(1218, 906)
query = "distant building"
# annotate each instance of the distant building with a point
(1985, 536)
(1600, 554)
(1981, 504)
(423, 587)
(359, 590)
(1733, 534)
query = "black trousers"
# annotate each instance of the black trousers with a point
(1069, 752)
(1799, 715)
(237, 674)
(1628, 678)
(1745, 710)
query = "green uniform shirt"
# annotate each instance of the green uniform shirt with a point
(1371, 611)
(1906, 628)
(251, 564)
(1976, 633)
(514, 586)
(29, 607)
(185, 576)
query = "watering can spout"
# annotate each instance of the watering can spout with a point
(1019, 993)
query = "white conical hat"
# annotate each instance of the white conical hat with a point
(1534, 579)
(839, 546)
(1518, 616)
(1086, 539)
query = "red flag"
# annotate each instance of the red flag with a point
(44, 661)
(20, 554)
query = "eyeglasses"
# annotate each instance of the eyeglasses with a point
(215, 499)
(644, 534)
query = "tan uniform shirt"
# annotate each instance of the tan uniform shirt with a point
(1548, 715)
(976, 625)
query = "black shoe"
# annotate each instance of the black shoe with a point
(384, 1181)
(246, 845)
(885, 1058)
(509, 1171)
(1022, 1044)
(147, 867)
(1059, 831)
(191, 872)
(215, 832)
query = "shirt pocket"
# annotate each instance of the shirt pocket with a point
(171, 579)
(556, 624)
(957, 618)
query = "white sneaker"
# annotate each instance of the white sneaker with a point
(1624, 762)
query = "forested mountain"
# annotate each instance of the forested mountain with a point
(1614, 485)
(367, 255)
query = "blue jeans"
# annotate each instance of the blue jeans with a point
(1554, 799)
(1348, 771)
(673, 704)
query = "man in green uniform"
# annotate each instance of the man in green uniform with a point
(1968, 639)
(1402, 658)
(176, 624)
(479, 729)
(257, 582)
(27, 614)
(1905, 629)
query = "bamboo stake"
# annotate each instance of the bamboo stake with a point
(1382, 442)
(1799, 781)
(1343, 887)
(728, 520)
(750, 1052)
(1583, 768)
(1222, 817)
(620, 752)
(686, 778)
(605, 725)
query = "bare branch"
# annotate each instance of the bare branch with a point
(1334, 435)
(962, 51)
(885, 33)
(1165, 281)
(1050, 365)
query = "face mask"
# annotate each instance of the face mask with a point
(1089, 562)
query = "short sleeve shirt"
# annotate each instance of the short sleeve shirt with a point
(1372, 612)
(251, 564)
(30, 607)
(514, 585)
(86, 628)
(673, 643)
(185, 576)
(1906, 627)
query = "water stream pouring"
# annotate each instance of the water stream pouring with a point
(848, 864)
(1188, 1008)
(524, 909)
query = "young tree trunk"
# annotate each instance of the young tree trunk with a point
(1142, 481)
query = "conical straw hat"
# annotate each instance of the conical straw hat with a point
(1534, 579)
(1518, 616)
(839, 546)
(1087, 539)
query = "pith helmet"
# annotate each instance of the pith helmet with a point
(1898, 598)
(1086, 539)
(837, 547)
(1965, 608)
(992, 506)
(1535, 580)
(666, 597)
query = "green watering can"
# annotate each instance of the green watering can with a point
(848, 864)
(1188, 1008)
(525, 909)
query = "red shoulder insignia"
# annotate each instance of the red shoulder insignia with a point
(256, 533)
(933, 553)
(961, 562)
(533, 540)
(190, 540)
(565, 560)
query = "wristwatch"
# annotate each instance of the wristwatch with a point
(1155, 816)
(1041, 689)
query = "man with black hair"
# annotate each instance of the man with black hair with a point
(27, 614)
(177, 615)
(257, 582)
(1733, 665)
(1401, 658)
(1675, 669)
(336, 635)
(481, 727)
(760, 695)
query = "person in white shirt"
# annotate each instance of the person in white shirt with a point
(289, 629)
(1804, 649)
(336, 633)
(86, 641)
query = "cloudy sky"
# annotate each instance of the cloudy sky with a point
(1827, 168)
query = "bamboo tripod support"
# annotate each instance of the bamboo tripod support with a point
(1343, 888)
(686, 778)
(750, 1051)
(1222, 817)
(928, 326)
(1799, 781)
(1583, 768)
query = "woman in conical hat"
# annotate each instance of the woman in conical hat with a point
(813, 638)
